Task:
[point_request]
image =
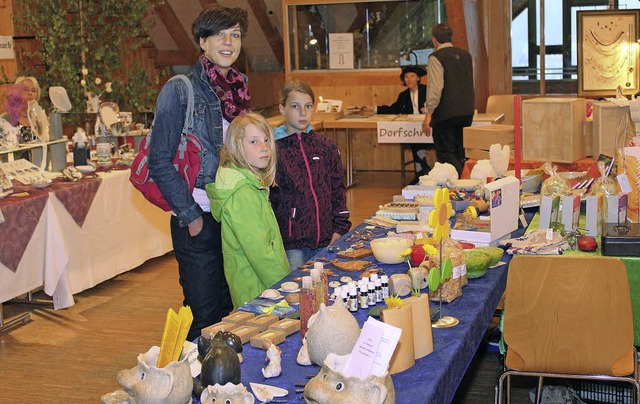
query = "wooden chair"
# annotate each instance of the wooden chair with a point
(568, 317)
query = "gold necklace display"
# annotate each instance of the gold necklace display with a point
(609, 56)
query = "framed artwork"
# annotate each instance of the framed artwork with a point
(608, 52)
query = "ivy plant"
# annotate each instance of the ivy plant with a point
(94, 34)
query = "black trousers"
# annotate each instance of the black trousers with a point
(448, 138)
(201, 272)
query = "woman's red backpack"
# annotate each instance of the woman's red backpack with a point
(186, 161)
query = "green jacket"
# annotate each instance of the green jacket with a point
(254, 257)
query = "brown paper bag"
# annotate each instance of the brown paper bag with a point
(403, 357)
(631, 163)
(422, 336)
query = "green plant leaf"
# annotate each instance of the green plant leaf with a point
(434, 279)
(447, 269)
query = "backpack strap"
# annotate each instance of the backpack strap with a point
(188, 120)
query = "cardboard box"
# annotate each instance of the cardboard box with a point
(504, 207)
(276, 337)
(570, 217)
(210, 331)
(245, 332)
(479, 154)
(262, 321)
(287, 325)
(606, 117)
(553, 129)
(593, 214)
(482, 137)
(238, 317)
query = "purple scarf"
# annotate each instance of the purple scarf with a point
(232, 90)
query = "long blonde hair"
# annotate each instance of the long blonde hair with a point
(233, 152)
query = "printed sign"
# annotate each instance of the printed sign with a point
(402, 132)
(341, 51)
(6, 47)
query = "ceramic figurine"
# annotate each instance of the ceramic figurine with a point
(80, 138)
(331, 330)
(147, 384)
(331, 386)
(220, 366)
(227, 337)
(229, 394)
(303, 354)
(274, 356)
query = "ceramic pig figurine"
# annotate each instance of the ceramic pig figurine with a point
(147, 384)
(331, 330)
(229, 394)
(220, 366)
(331, 386)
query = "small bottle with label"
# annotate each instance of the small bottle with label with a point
(364, 298)
(318, 288)
(384, 280)
(307, 303)
(319, 266)
(378, 286)
(345, 297)
(371, 294)
(353, 300)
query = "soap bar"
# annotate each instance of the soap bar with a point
(399, 284)
(276, 337)
(238, 317)
(212, 330)
(245, 332)
(262, 321)
(287, 325)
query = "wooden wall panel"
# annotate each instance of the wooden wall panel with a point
(6, 29)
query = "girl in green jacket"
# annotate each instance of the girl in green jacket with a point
(252, 248)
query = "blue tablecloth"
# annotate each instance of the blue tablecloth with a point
(434, 378)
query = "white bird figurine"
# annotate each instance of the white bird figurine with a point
(499, 156)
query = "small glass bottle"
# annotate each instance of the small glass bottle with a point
(384, 280)
(345, 297)
(371, 294)
(364, 292)
(378, 286)
(307, 303)
(318, 288)
(318, 265)
(353, 300)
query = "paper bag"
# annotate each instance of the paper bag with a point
(403, 357)
(630, 163)
(422, 336)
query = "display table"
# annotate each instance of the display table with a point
(81, 234)
(434, 378)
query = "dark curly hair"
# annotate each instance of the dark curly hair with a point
(214, 19)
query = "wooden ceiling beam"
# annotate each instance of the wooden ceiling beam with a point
(260, 11)
(173, 25)
(164, 58)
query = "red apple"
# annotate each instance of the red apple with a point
(417, 255)
(587, 243)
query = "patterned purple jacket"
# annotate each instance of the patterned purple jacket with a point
(310, 198)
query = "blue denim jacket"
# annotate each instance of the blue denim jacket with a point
(171, 107)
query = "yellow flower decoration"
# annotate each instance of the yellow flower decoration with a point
(439, 217)
(393, 302)
(405, 253)
(429, 249)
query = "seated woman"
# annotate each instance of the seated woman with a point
(411, 101)
(17, 98)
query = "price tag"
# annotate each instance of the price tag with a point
(549, 234)
(623, 181)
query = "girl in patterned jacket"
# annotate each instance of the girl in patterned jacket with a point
(309, 199)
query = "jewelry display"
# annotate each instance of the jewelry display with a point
(608, 52)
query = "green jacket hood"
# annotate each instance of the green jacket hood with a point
(229, 180)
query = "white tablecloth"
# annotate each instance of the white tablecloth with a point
(121, 231)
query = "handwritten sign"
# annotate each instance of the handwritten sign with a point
(6, 47)
(402, 132)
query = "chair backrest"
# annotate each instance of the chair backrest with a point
(569, 315)
(501, 104)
